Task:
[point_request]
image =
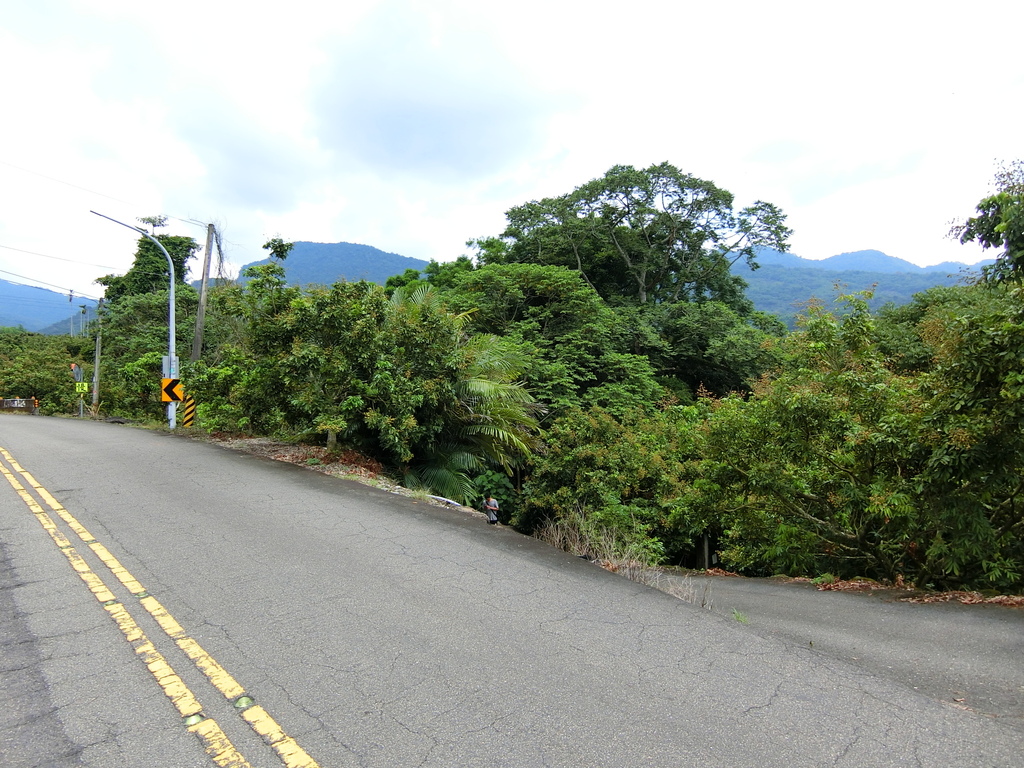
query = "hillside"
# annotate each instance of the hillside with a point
(326, 263)
(857, 261)
(781, 285)
(784, 283)
(36, 309)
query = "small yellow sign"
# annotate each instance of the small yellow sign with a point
(170, 391)
(81, 386)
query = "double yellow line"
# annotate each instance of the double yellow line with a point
(214, 740)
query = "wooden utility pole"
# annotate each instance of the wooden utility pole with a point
(197, 339)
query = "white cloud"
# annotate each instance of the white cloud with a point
(412, 126)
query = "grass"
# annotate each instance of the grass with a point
(682, 587)
(622, 557)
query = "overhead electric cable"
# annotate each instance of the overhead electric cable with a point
(60, 287)
(57, 258)
(91, 191)
(66, 183)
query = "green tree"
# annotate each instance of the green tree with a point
(975, 436)
(134, 344)
(278, 248)
(817, 469)
(411, 277)
(848, 464)
(249, 371)
(575, 343)
(148, 272)
(899, 328)
(395, 377)
(709, 346)
(1000, 224)
(652, 235)
(444, 275)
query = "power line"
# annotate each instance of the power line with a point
(80, 263)
(66, 183)
(193, 222)
(57, 258)
(43, 302)
(60, 287)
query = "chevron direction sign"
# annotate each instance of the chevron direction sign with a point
(170, 391)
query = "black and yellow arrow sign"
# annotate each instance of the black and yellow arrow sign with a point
(170, 391)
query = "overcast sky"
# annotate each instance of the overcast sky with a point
(413, 126)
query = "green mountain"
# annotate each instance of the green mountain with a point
(784, 283)
(326, 263)
(40, 310)
(781, 285)
(855, 261)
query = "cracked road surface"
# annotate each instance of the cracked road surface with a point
(378, 631)
(968, 655)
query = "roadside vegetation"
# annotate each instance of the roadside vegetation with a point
(597, 367)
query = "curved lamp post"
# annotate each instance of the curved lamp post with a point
(172, 360)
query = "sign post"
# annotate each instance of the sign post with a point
(80, 387)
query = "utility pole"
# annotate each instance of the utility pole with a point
(197, 339)
(96, 361)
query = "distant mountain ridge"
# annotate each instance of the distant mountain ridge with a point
(858, 261)
(326, 263)
(36, 309)
(781, 285)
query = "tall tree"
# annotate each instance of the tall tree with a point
(148, 273)
(1000, 224)
(575, 343)
(36, 366)
(278, 248)
(652, 235)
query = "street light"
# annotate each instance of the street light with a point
(171, 368)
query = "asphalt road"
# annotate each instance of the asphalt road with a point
(377, 631)
(968, 655)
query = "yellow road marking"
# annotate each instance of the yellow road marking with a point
(217, 675)
(220, 748)
(215, 742)
(287, 749)
(112, 563)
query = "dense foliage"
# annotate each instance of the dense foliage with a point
(841, 463)
(36, 366)
(399, 378)
(599, 368)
